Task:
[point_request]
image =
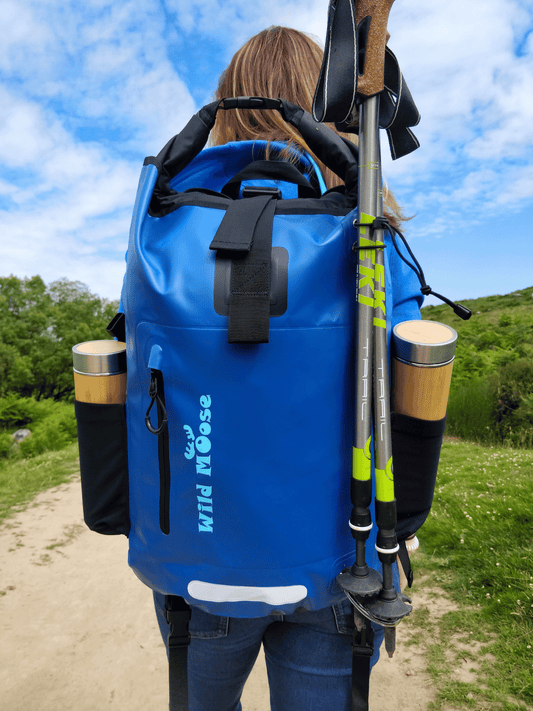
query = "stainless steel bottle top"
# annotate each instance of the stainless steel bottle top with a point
(99, 358)
(424, 342)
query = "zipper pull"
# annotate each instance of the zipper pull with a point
(161, 409)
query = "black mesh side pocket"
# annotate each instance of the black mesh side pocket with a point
(103, 449)
(415, 455)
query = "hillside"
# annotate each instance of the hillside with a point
(499, 332)
(491, 398)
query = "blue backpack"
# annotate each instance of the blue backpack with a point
(230, 466)
(238, 490)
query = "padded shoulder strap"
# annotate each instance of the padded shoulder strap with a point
(178, 614)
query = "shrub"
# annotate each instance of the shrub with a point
(52, 424)
(6, 445)
(513, 412)
(16, 411)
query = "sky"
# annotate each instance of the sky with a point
(88, 89)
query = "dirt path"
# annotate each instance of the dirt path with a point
(79, 632)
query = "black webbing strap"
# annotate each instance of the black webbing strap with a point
(336, 90)
(403, 555)
(362, 651)
(246, 232)
(177, 614)
(397, 110)
(336, 95)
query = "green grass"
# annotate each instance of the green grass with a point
(22, 479)
(477, 546)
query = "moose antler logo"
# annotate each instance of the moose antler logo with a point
(190, 451)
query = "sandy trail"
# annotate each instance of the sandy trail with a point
(79, 632)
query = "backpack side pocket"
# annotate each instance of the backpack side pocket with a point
(103, 447)
(416, 448)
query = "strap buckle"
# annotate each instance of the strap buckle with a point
(363, 638)
(255, 190)
(177, 614)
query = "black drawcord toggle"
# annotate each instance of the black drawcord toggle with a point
(458, 309)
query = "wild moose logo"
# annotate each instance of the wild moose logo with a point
(200, 447)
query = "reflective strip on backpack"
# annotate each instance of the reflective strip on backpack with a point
(278, 595)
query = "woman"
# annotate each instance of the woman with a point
(308, 654)
(278, 62)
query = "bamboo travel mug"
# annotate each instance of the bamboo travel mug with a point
(100, 372)
(423, 360)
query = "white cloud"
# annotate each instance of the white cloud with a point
(516, 189)
(69, 67)
(24, 132)
(470, 69)
(98, 61)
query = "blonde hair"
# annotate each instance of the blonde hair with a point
(279, 62)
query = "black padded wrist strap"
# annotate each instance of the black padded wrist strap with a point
(336, 95)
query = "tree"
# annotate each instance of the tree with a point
(38, 327)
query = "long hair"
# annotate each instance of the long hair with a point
(279, 62)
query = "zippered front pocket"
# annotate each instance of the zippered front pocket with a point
(157, 395)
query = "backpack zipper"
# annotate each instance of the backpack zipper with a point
(157, 394)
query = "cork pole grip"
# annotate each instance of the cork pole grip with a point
(371, 81)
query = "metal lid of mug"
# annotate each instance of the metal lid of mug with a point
(99, 357)
(424, 342)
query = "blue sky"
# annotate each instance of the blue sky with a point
(88, 89)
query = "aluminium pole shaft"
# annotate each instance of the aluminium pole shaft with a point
(362, 580)
(389, 605)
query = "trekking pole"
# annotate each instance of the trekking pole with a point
(384, 605)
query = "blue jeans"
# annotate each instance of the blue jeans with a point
(308, 657)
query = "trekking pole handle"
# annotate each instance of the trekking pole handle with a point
(371, 18)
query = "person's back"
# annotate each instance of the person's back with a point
(308, 651)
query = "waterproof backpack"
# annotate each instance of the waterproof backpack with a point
(238, 315)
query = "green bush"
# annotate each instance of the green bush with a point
(52, 425)
(513, 412)
(6, 445)
(16, 411)
(497, 409)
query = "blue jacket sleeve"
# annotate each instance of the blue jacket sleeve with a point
(407, 299)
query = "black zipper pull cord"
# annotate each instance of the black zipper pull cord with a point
(161, 409)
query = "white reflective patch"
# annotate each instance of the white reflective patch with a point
(212, 592)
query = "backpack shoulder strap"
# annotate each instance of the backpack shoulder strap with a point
(403, 555)
(178, 614)
(362, 651)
